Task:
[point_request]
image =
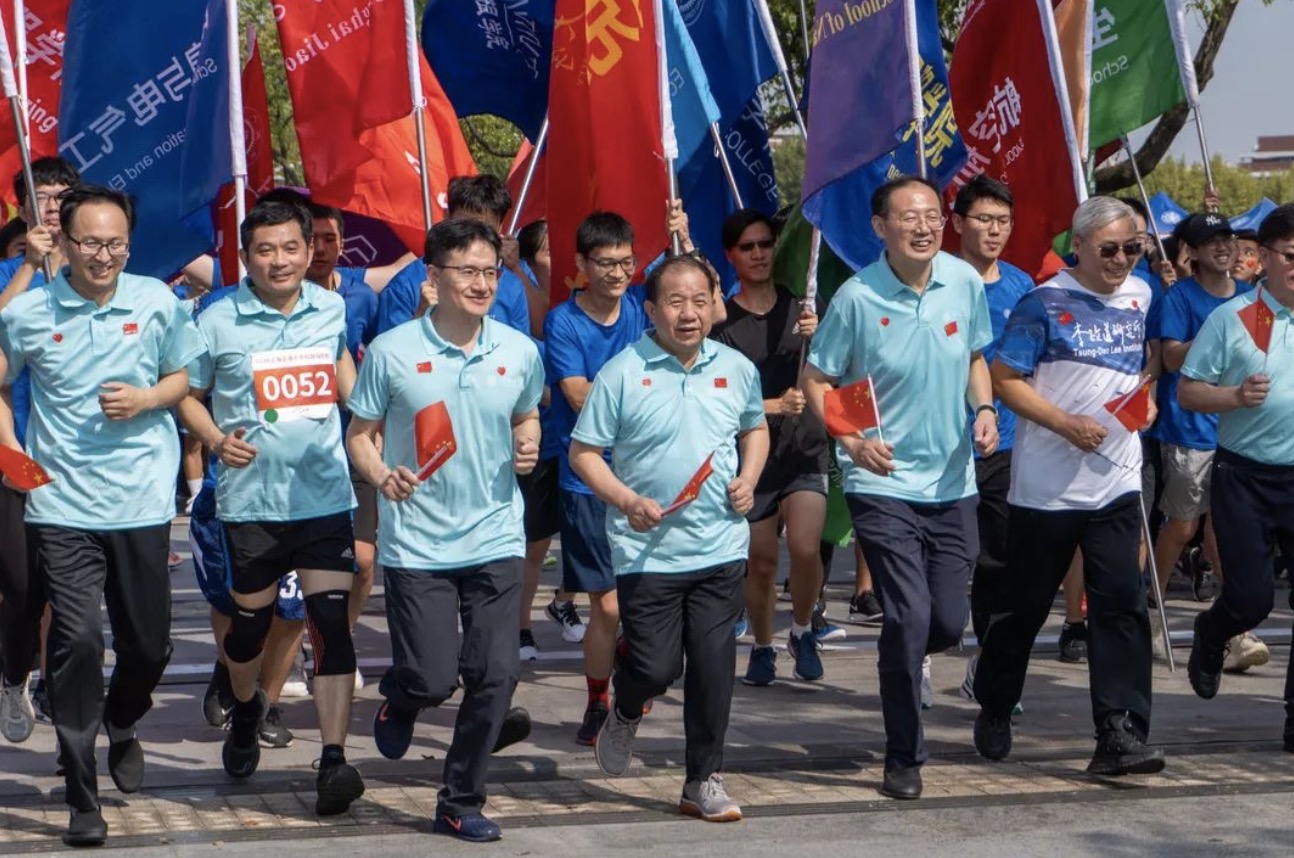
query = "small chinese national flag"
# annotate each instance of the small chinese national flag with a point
(433, 434)
(21, 470)
(692, 490)
(1132, 409)
(1258, 319)
(851, 409)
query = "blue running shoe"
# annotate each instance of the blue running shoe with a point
(742, 628)
(473, 827)
(393, 730)
(829, 631)
(762, 669)
(804, 651)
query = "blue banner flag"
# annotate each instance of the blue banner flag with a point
(206, 161)
(1166, 213)
(128, 72)
(692, 103)
(841, 209)
(1253, 218)
(492, 56)
(733, 48)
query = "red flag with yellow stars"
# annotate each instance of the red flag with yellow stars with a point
(1132, 409)
(851, 409)
(692, 490)
(433, 435)
(21, 470)
(1258, 319)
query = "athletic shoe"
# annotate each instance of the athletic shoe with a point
(218, 700)
(359, 681)
(927, 693)
(594, 717)
(762, 668)
(174, 561)
(742, 626)
(866, 608)
(708, 800)
(336, 788)
(473, 827)
(825, 630)
(1119, 751)
(272, 732)
(784, 595)
(1157, 650)
(529, 650)
(126, 764)
(992, 736)
(241, 753)
(393, 730)
(565, 615)
(1204, 669)
(86, 828)
(17, 715)
(1204, 584)
(296, 688)
(515, 728)
(40, 700)
(1073, 643)
(1243, 652)
(614, 748)
(804, 652)
(550, 560)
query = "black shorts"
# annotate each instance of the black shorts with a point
(364, 516)
(261, 552)
(586, 551)
(768, 497)
(539, 490)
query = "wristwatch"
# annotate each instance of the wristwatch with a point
(986, 407)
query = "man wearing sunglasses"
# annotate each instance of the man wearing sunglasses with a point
(1238, 367)
(1072, 355)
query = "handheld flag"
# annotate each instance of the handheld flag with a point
(1132, 409)
(692, 490)
(45, 23)
(851, 409)
(21, 470)
(433, 435)
(1258, 319)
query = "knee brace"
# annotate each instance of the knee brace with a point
(246, 638)
(328, 620)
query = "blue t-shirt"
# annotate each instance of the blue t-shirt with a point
(399, 299)
(1003, 294)
(549, 445)
(1182, 314)
(575, 346)
(21, 392)
(361, 311)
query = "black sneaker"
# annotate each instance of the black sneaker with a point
(1073, 643)
(337, 787)
(1204, 583)
(1120, 751)
(218, 701)
(126, 764)
(1205, 666)
(40, 701)
(241, 753)
(516, 728)
(393, 730)
(594, 716)
(866, 608)
(992, 735)
(272, 732)
(86, 828)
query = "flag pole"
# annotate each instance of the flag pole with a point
(529, 178)
(914, 79)
(779, 59)
(237, 140)
(669, 142)
(1154, 583)
(10, 87)
(727, 165)
(1204, 151)
(20, 60)
(804, 29)
(1151, 226)
(419, 121)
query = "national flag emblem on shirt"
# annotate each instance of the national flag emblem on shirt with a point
(1066, 318)
(434, 442)
(721, 382)
(1132, 409)
(21, 470)
(646, 382)
(424, 366)
(1258, 319)
(950, 329)
(130, 328)
(851, 409)
(58, 338)
(692, 490)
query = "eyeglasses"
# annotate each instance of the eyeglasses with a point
(471, 272)
(911, 221)
(988, 220)
(1109, 250)
(43, 200)
(90, 247)
(1287, 255)
(762, 244)
(629, 264)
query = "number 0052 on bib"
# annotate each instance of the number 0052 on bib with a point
(294, 384)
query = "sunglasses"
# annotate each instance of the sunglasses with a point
(762, 244)
(1109, 250)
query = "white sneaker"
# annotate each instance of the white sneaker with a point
(529, 649)
(614, 748)
(1157, 651)
(708, 800)
(359, 681)
(295, 688)
(17, 715)
(565, 615)
(927, 693)
(1243, 652)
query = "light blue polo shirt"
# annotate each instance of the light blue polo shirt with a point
(274, 376)
(917, 350)
(108, 475)
(660, 422)
(469, 511)
(1223, 353)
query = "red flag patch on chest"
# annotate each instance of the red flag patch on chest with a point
(950, 329)
(721, 382)
(425, 366)
(130, 328)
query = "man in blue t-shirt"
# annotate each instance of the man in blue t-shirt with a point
(1188, 439)
(984, 215)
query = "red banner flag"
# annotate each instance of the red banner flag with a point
(342, 79)
(536, 203)
(1258, 319)
(851, 409)
(605, 149)
(433, 437)
(1013, 109)
(45, 26)
(21, 470)
(692, 490)
(1132, 409)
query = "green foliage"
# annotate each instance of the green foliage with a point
(1238, 190)
(788, 166)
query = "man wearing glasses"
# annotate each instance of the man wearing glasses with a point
(915, 322)
(1238, 367)
(1071, 360)
(107, 353)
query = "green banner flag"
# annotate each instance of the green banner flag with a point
(791, 259)
(1141, 65)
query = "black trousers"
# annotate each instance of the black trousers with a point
(1118, 628)
(1253, 511)
(921, 557)
(22, 599)
(989, 594)
(668, 617)
(423, 611)
(127, 570)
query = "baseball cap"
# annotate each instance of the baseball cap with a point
(1199, 228)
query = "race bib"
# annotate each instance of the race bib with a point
(294, 384)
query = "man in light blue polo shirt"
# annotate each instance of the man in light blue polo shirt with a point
(107, 353)
(276, 368)
(915, 322)
(455, 397)
(1251, 389)
(676, 410)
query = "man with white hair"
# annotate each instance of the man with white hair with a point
(1070, 366)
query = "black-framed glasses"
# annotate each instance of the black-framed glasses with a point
(471, 272)
(45, 199)
(629, 264)
(90, 247)
(762, 244)
(1287, 255)
(1109, 249)
(987, 220)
